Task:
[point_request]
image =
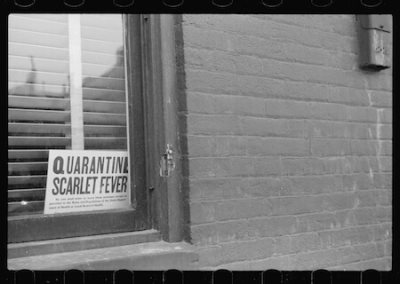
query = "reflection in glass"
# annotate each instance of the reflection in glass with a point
(39, 100)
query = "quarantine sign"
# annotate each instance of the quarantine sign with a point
(86, 181)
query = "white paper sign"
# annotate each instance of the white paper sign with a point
(86, 180)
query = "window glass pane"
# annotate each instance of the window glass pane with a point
(42, 104)
(103, 82)
(38, 101)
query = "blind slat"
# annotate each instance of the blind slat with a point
(39, 128)
(104, 118)
(103, 20)
(32, 207)
(105, 143)
(39, 39)
(48, 17)
(97, 70)
(34, 102)
(38, 25)
(22, 181)
(104, 106)
(24, 167)
(105, 130)
(21, 154)
(45, 65)
(38, 115)
(43, 142)
(44, 52)
(36, 77)
(31, 194)
(112, 35)
(104, 83)
(101, 46)
(37, 90)
(99, 94)
(102, 58)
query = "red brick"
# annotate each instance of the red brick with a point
(385, 164)
(388, 248)
(339, 201)
(368, 198)
(237, 251)
(198, 58)
(361, 114)
(358, 181)
(362, 148)
(382, 231)
(267, 166)
(199, 103)
(305, 242)
(302, 166)
(215, 189)
(296, 205)
(247, 250)
(212, 124)
(337, 165)
(314, 260)
(273, 226)
(270, 263)
(381, 99)
(216, 83)
(287, 108)
(202, 212)
(316, 222)
(308, 185)
(272, 127)
(261, 187)
(200, 146)
(197, 37)
(327, 111)
(348, 96)
(385, 197)
(237, 167)
(259, 86)
(202, 167)
(330, 147)
(215, 233)
(229, 146)
(304, 91)
(243, 208)
(257, 46)
(327, 129)
(346, 237)
(371, 215)
(280, 107)
(383, 180)
(277, 146)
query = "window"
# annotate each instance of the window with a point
(75, 82)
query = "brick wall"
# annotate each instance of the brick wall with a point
(288, 144)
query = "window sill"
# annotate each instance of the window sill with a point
(28, 249)
(145, 256)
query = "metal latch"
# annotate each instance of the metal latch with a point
(167, 163)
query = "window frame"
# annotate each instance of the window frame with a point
(37, 227)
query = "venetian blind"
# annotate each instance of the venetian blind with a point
(66, 84)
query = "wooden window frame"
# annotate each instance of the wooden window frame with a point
(158, 201)
(38, 227)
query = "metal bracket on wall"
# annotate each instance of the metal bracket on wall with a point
(167, 163)
(375, 31)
